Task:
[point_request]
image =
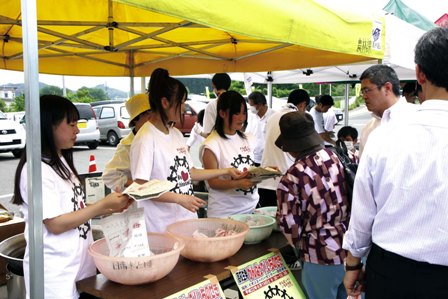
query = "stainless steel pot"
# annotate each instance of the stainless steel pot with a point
(13, 250)
(15, 285)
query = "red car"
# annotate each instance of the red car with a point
(190, 116)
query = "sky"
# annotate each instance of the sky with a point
(431, 9)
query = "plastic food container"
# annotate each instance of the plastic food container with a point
(260, 226)
(269, 211)
(138, 270)
(210, 248)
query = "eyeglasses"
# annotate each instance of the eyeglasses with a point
(366, 90)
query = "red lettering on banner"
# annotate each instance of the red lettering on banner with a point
(257, 270)
(265, 282)
(194, 294)
(209, 291)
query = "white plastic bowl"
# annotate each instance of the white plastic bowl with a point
(209, 249)
(138, 270)
(259, 232)
(269, 211)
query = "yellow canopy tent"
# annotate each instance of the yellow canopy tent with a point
(133, 37)
(105, 38)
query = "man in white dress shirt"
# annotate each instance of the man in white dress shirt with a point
(298, 99)
(220, 83)
(323, 104)
(400, 202)
(261, 114)
(380, 89)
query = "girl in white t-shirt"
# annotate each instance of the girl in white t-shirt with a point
(159, 152)
(67, 232)
(228, 146)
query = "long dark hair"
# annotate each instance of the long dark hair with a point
(53, 110)
(230, 101)
(161, 85)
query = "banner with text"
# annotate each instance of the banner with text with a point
(267, 277)
(207, 289)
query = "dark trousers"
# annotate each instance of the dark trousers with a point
(268, 198)
(389, 275)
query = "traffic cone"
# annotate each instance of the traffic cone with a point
(92, 164)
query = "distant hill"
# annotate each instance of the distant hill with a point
(194, 85)
(114, 94)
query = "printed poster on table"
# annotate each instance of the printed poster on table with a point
(267, 277)
(207, 289)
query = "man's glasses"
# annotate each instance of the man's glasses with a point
(366, 90)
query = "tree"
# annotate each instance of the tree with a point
(50, 89)
(18, 104)
(238, 86)
(3, 106)
(87, 95)
(98, 94)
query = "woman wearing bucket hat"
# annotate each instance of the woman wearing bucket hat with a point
(117, 172)
(312, 194)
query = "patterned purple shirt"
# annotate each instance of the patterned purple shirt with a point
(312, 209)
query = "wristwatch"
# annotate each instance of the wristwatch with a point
(354, 267)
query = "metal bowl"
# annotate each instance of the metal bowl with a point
(13, 250)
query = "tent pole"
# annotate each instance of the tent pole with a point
(131, 72)
(142, 85)
(269, 80)
(346, 96)
(270, 94)
(131, 86)
(33, 148)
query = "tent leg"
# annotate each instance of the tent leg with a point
(270, 94)
(346, 95)
(142, 85)
(33, 148)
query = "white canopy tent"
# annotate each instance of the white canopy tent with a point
(401, 38)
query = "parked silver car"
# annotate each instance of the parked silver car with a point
(113, 120)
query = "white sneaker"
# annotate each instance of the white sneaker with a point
(295, 266)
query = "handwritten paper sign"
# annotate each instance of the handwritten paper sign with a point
(94, 189)
(125, 233)
(266, 277)
(207, 289)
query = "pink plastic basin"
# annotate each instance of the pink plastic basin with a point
(138, 270)
(209, 249)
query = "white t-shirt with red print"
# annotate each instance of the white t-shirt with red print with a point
(66, 258)
(234, 152)
(156, 155)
